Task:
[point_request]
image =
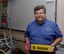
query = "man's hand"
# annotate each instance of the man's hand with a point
(52, 48)
(27, 46)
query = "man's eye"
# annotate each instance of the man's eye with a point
(36, 13)
(39, 13)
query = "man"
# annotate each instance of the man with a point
(42, 31)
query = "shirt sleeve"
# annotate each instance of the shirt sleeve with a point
(57, 31)
(27, 32)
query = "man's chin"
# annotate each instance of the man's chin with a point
(40, 20)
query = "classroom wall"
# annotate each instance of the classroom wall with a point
(60, 14)
(21, 12)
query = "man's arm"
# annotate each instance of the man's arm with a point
(58, 36)
(27, 45)
(56, 42)
(27, 39)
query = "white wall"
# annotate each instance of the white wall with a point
(60, 14)
(21, 12)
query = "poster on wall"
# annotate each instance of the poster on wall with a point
(3, 13)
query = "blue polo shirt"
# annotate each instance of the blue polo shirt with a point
(46, 33)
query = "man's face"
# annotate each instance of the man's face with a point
(40, 15)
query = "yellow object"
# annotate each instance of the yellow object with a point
(38, 47)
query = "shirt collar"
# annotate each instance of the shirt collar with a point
(42, 22)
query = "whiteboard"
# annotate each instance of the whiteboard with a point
(20, 12)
